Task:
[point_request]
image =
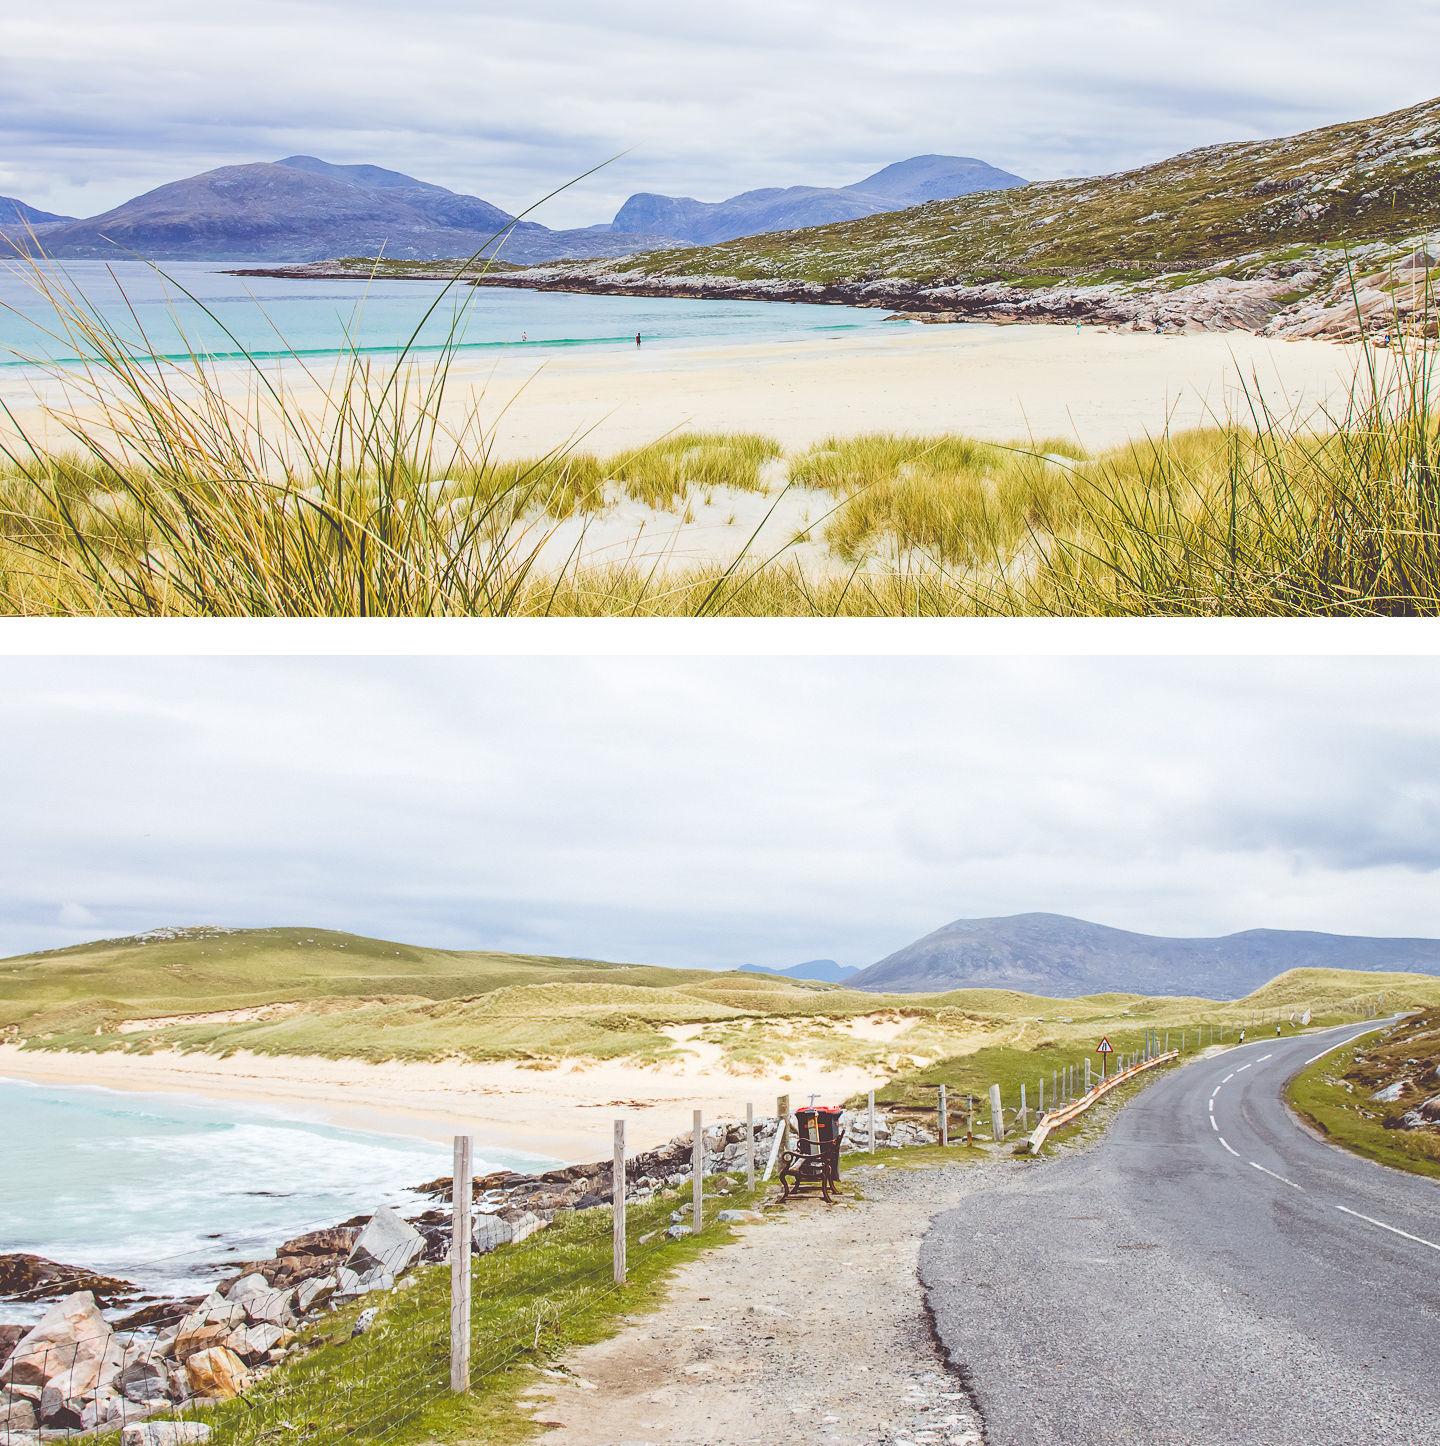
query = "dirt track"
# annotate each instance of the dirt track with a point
(810, 1328)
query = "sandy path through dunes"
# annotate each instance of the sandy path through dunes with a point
(812, 1328)
(1095, 387)
(564, 1112)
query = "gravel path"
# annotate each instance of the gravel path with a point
(811, 1328)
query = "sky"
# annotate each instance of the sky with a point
(99, 102)
(715, 811)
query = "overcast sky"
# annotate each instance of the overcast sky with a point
(99, 101)
(715, 812)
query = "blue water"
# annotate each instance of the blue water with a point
(196, 308)
(163, 1190)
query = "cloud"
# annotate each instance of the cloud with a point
(98, 103)
(715, 811)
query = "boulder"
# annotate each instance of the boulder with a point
(143, 1382)
(60, 1412)
(72, 1346)
(217, 1373)
(387, 1243)
(199, 1338)
(269, 1307)
(165, 1433)
(17, 1414)
(1390, 1093)
(491, 1231)
(10, 1337)
(254, 1343)
(740, 1217)
(311, 1294)
(524, 1224)
(679, 1232)
(247, 1284)
(364, 1321)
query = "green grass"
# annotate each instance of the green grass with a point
(337, 995)
(1334, 1095)
(532, 1303)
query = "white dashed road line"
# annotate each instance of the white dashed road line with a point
(1394, 1230)
(1226, 1143)
(1274, 1176)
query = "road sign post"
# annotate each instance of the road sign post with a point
(1104, 1049)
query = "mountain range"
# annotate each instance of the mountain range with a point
(752, 213)
(827, 971)
(304, 209)
(1062, 957)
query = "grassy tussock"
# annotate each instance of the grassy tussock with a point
(175, 498)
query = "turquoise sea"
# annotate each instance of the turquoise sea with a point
(166, 1190)
(192, 307)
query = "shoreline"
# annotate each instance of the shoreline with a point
(562, 1113)
(1095, 387)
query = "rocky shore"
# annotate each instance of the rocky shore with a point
(1372, 291)
(76, 1373)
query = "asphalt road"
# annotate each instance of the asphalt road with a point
(1209, 1272)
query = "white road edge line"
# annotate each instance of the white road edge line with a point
(1274, 1176)
(1393, 1229)
(1224, 1142)
(1213, 1125)
(1261, 1060)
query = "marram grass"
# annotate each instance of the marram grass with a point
(173, 498)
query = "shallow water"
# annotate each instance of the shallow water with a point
(195, 307)
(163, 1190)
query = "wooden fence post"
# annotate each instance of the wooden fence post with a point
(997, 1117)
(942, 1113)
(750, 1147)
(1024, 1109)
(617, 1201)
(697, 1161)
(782, 1130)
(461, 1191)
(1040, 1099)
(872, 1122)
(1087, 1074)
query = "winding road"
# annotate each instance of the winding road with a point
(1211, 1271)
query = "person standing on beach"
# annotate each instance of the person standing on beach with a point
(637, 338)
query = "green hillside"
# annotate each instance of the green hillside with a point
(1281, 211)
(316, 992)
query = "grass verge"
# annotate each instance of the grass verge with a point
(1335, 1096)
(533, 1302)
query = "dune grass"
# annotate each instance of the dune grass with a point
(175, 494)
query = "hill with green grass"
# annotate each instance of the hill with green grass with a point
(314, 992)
(1255, 234)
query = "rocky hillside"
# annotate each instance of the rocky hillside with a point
(1054, 955)
(1253, 235)
(303, 209)
(905, 183)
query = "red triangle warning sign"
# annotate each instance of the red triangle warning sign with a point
(1104, 1047)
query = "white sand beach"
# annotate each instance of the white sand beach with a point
(564, 1112)
(1095, 387)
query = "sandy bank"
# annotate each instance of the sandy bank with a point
(995, 382)
(562, 1112)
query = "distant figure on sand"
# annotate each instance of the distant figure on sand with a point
(637, 338)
